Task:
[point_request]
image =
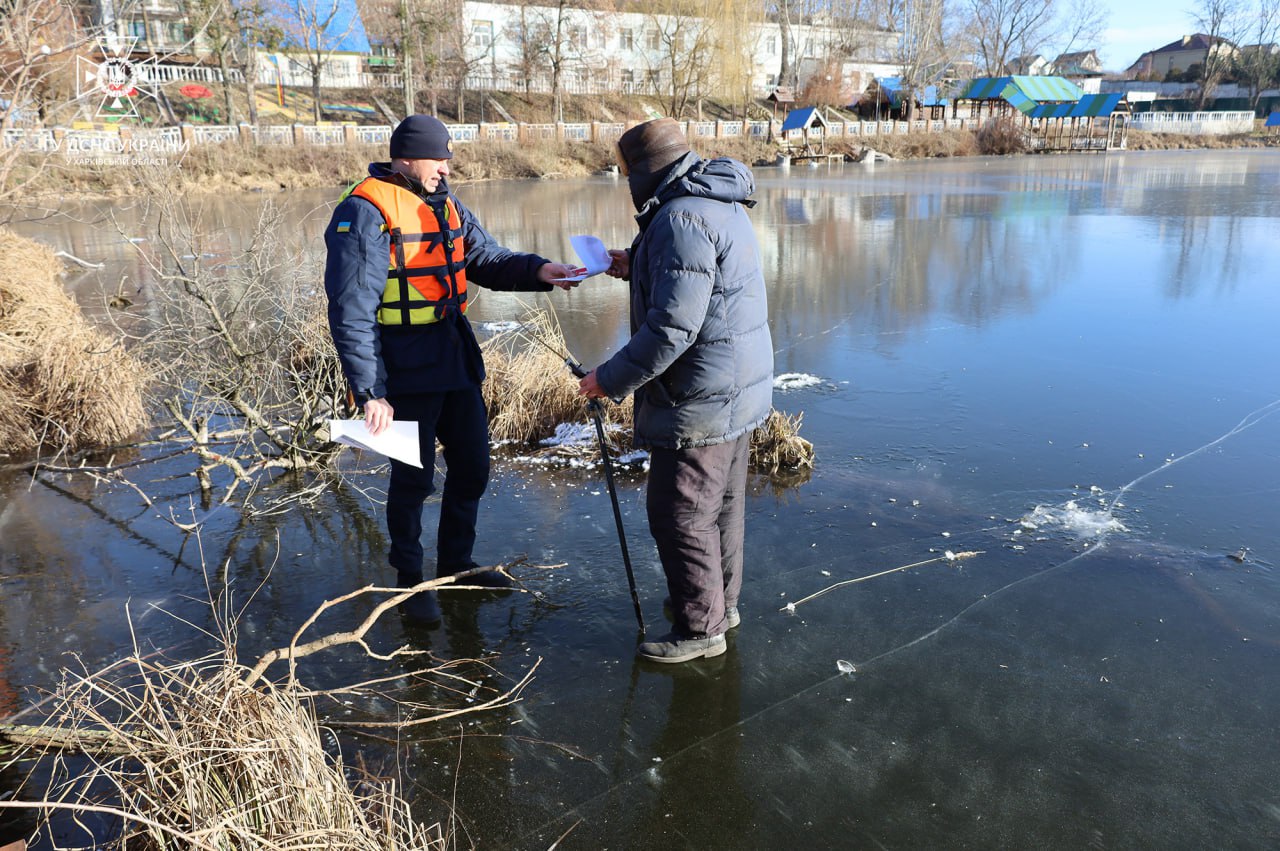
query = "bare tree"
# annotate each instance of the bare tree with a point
(215, 22)
(417, 33)
(921, 51)
(1083, 23)
(38, 42)
(788, 73)
(462, 48)
(550, 32)
(735, 29)
(1222, 21)
(240, 350)
(685, 51)
(1258, 64)
(259, 33)
(1005, 29)
(314, 30)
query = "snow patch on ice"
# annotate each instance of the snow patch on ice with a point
(795, 381)
(571, 434)
(1074, 519)
(498, 327)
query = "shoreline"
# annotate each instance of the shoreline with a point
(231, 167)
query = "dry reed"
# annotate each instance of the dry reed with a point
(63, 383)
(212, 754)
(194, 758)
(776, 445)
(530, 390)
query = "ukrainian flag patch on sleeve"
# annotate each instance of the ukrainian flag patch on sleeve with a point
(343, 227)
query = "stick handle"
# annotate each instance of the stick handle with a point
(579, 372)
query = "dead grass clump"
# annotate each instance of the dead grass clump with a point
(529, 390)
(195, 758)
(1000, 136)
(947, 143)
(777, 447)
(1141, 140)
(528, 159)
(212, 754)
(63, 383)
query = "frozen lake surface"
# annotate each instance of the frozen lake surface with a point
(1065, 364)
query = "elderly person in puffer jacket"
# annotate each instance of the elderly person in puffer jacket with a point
(700, 363)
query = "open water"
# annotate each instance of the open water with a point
(1067, 365)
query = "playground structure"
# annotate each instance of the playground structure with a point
(804, 136)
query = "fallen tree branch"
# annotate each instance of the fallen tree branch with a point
(297, 651)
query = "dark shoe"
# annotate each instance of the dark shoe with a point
(731, 616)
(422, 607)
(486, 578)
(672, 648)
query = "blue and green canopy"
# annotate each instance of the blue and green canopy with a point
(1038, 89)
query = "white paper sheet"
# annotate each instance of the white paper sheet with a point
(592, 254)
(398, 441)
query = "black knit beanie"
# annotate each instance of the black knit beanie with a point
(421, 137)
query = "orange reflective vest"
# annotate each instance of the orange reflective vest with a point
(426, 272)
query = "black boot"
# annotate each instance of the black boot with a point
(422, 607)
(488, 578)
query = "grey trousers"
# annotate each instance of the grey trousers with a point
(696, 507)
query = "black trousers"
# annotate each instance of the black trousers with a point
(458, 418)
(696, 505)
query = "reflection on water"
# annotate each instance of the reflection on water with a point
(1065, 363)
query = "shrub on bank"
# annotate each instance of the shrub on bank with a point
(1002, 136)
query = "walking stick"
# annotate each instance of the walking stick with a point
(594, 406)
(596, 409)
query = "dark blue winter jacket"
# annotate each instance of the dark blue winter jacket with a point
(700, 359)
(381, 360)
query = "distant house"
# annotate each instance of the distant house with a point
(1031, 65)
(1266, 50)
(1178, 56)
(1082, 64)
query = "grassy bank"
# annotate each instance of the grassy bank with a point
(233, 167)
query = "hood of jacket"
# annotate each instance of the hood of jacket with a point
(720, 179)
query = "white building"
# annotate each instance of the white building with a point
(511, 48)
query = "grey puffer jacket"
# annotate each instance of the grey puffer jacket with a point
(700, 358)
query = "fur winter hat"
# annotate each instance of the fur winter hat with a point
(650, 147)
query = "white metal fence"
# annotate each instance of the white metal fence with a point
(157, 74)
(49, 140)
(1193, 123)
(80, 141)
